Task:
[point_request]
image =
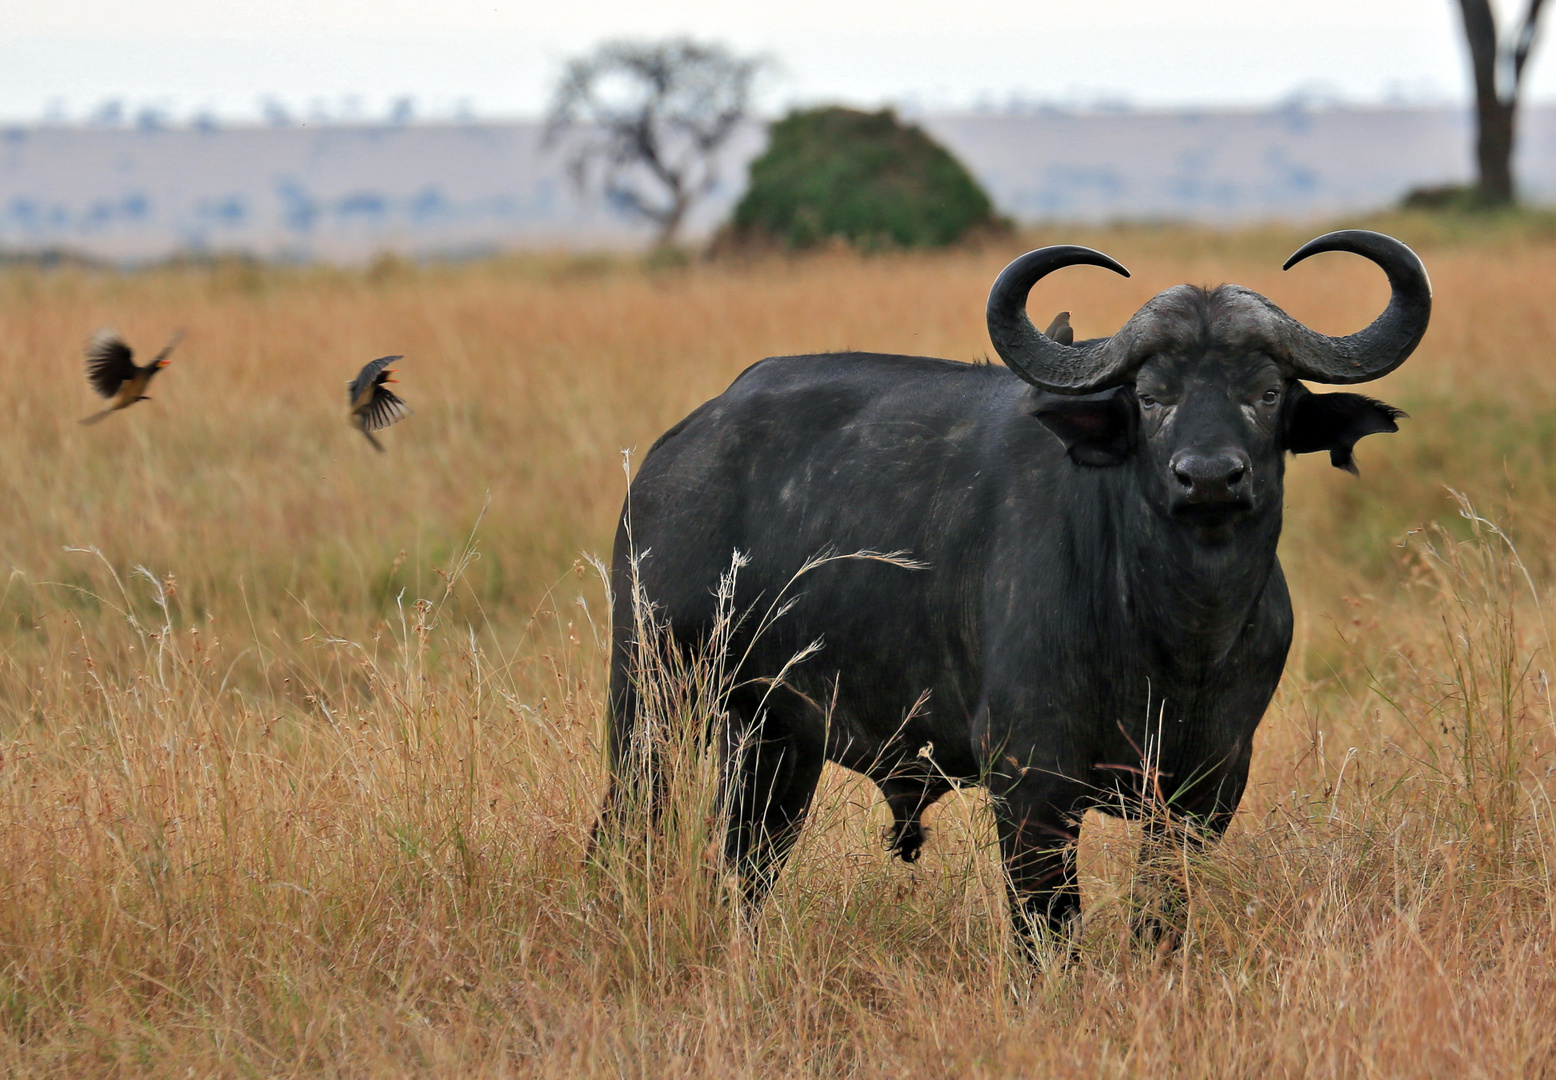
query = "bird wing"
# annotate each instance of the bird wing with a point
(364, 380)
(109, 362)
(386, 408)
(178, 336)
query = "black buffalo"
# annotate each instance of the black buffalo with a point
(1099, 617)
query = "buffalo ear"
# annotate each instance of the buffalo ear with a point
(1334, 422)
(1097, 429)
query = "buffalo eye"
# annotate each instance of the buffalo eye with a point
(1271, 397)
(1147, 401)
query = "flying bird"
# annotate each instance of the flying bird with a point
(113, 373)
(373, 405)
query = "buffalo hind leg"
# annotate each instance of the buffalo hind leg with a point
(770, 772)
(635, 784)
(1039, 826)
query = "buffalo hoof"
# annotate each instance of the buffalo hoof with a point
(1153, 932)
(1051, 945)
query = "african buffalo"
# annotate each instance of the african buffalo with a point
(1096, 524)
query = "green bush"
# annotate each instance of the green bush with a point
(865, 177)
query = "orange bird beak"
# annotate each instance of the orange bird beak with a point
(391, 371)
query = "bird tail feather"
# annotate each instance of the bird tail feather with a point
(376, 444)
(95, 417)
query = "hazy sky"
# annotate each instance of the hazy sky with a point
(355, 57)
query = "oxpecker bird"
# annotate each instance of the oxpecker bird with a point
(1060, 329)
(113, 373)
(373, 404)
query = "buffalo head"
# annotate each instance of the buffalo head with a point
(1200, 388)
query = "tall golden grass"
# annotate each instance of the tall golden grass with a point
(299, 744)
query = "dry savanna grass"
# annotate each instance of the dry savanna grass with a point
(299, 744)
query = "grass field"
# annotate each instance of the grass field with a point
(299, 744)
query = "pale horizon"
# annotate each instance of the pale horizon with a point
(176, 61)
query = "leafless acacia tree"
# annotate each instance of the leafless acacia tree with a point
(1499, 71)
(645, 121)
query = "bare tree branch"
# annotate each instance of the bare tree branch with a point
(1498, 75)
(646, 122)
(1480, 32)
(1524, 42)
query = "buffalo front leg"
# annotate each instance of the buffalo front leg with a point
(1161, 883)
(908, 799)
(1039, 826)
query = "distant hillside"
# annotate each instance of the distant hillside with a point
(1230, 166)
(344, 193)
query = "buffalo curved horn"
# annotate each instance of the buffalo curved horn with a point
(1381, 347)
(1033, 355)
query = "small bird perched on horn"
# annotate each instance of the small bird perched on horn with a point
(1061, 330)
(113, 373)
(373, 405)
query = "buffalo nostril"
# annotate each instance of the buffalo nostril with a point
(1211, 476)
